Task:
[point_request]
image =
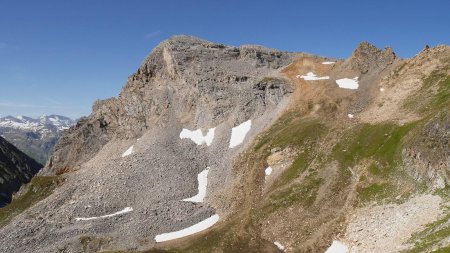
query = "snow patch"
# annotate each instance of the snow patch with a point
(328, 62)
(128, 152)
(381, 89)
(347, 83)
(268, 171)
(202, 183)
(310, 76)
(125, 210)
(205, 224)
(350, 116)
(279, 246)
(337, 247)
(197, 136)
(238, 133)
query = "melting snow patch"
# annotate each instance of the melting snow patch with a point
(238, 133)
(310, 76)
(279, 246)
(202, 183)
(125, 210)
(197, 136)
(348, 83)
(128, 152)
(205, 224)
(328, 62)
(268, 171)
(337, 247)
(350, 116)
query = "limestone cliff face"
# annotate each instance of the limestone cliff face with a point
(16, 169)
(184, 79)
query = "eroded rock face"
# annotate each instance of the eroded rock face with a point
(185, 78)
(16, 169)
(367, 57)
(428, 156)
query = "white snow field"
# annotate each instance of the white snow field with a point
(202, 183)
(268, 171)
(310, 76)
(279, 246)
(350, 116)
(381, 89)
(203, 225)
(328, 62)
(347, 83)
(128, 152)
(197, 136)
(337, 247)
(125, 210)
(238, 133)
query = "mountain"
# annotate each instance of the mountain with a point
(215, 148)
(35, 137)
(16, 169)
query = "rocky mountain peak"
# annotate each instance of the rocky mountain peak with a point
(368, 57)
(184, 79)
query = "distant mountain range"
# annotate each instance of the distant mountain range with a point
(35, 137)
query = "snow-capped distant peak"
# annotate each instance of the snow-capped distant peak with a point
(43, 123)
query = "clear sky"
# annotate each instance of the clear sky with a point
(60, 56)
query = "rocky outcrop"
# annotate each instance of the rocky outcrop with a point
(366, 58)
(185, 78)
(427, 157)
(16, 169)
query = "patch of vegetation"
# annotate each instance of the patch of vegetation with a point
(431, 236)
(303, 193)
(374, 192)
(434, 95)
(297, 167)
(381, 143)
(442, 250)
(291, 130)
(38, 189)
(297, 133)
(442, 98)
(375, 170)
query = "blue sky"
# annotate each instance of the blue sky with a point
(60, 56)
